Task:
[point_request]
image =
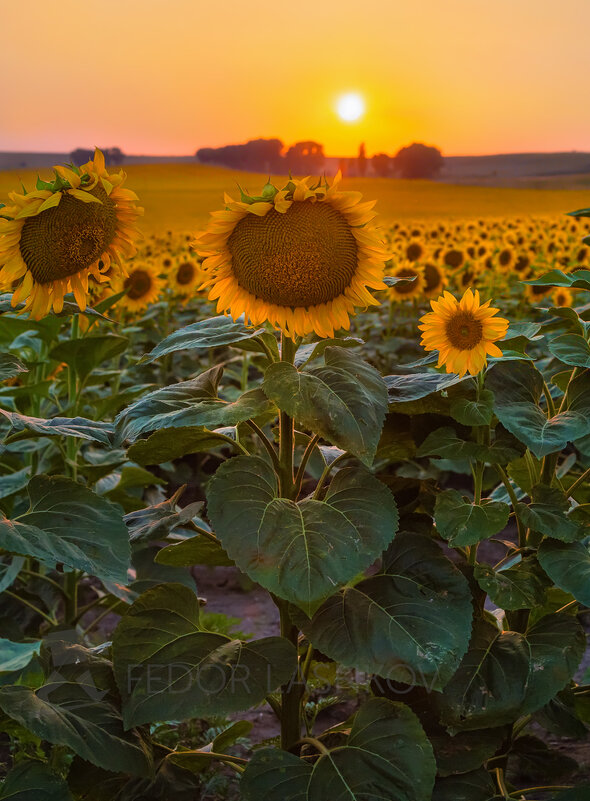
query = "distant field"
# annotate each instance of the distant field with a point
(178, 197)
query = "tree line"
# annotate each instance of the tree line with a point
(269, 156)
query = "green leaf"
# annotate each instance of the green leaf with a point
(489, 687)
(167, 668)
(557, 643)
(571, 349)
(463, 523)
(85, 354)
(446, 444)
(386, 756)
(568, 566)
(168, 444)
(477, 785)
(199, 550)
(190, 403)
(390, 624)
(10, 367)
(465, 751)
(17, 655)
(307, 353)
(300, 551)
(156, 522)
(403, 388)
(518, 387)
(14, 482)
(345, 401)
(10, 567)
(78, 707)
(68, 523)
(580, 279)
(548, 514)
(62, 427)
(34, 780)
(521, 586)
(473, 412)
(204, 334)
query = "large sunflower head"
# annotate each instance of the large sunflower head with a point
(141, 285)
(51, 240)
(463, 331)
(300, 257)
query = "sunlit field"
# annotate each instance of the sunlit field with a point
(292, 489)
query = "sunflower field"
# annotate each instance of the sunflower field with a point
(380, 431)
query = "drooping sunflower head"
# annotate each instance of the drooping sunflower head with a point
(300, 257)
(52, 240)
(141, 285)
(411, 283)
(184, 277)
(463, 331)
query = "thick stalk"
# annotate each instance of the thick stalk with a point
(286, 430)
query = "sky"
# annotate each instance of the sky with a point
(165, 77)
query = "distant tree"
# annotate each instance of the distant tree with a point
(257, 155)
(305, 158)
(80, 156)
(418, 161)
(114, 155)
(381, 164)
(361, 160)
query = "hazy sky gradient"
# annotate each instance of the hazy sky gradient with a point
(169, 76)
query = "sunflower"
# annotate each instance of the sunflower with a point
(434, 279)
(562, 297)
(463, 332)
(142, 286)
(184, 277)
(53, 239)
(300, 257)
(411, 288)
(414, 250)
(536, 293)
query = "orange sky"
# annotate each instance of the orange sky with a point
(168, 76)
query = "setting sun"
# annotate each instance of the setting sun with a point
(350, 107)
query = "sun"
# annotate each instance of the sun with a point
(350, 107)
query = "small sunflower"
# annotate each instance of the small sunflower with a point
(142, 286)
(72, 228)
(300, 257)
(413, 288)
(434, 279)
(463, 332)
(184, 277)
(562, 297)
(535, 293)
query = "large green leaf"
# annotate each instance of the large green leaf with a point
(87, 353)
(403, 388)
(477, 785)
(34, 781)
(78, 707)
(518, 387)
(300, 551)
(446, 444)
(190, 403)
(521, 586)
(466, 750)
(204, 334)
(568, 566)
(167, 444)
(345, 401)
(62, 427)
(548, 514)
(68, 523)
(10, 366)
(156, 522)
(10, 567)
(167, 668)
(580, 279)
(557, 643)
(386, 756)
(16, 655)
(472, 411)
(390, 624)
(489, 687)
(571, 349)
(464, 523)
(14, 482)
(199, 550)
